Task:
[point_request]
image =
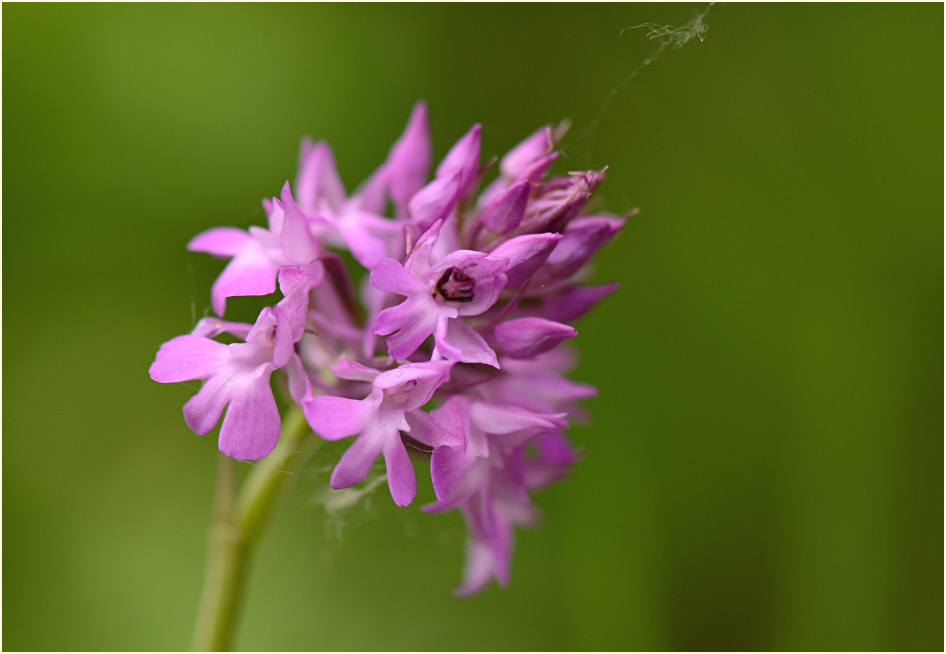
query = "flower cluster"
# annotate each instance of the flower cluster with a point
(473, 292)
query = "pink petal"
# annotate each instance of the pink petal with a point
(473, 346)
(202, 411)
(525, 255)
(536, 145)
(501, 419)
(463, 157)
(535, 172)
(297, 242)
(401, 479)
(300, 387)
(435, 201)
(188, 357)
(210, 327)
(353, 371)
(524, 338)
(408, 162)
(413, 321)
(572, 303)
(478, 570)
(334, 418)
(429, 431)
(317, 177)
(220, 241)
(581, 240)
(389, 275)
(505, 211)
(251, 427)
(357, 460)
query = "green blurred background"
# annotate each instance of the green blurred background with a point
(764, 470)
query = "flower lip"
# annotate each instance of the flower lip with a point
(455, 286)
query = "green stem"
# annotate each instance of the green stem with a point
(238, 522)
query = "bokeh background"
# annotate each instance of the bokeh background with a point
(764, 470)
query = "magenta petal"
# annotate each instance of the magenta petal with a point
(251, 427)
(353, 371)
(357, 460)
(220, 241)
(580, 241)
(535, 146)
(537, 170)
(317, 177)
(295, 283)
(283, 343)
(408, 161)
(573, 302)
(389, 275)
(525, 255)
(202, 411)
(300, 387)
(524, 338)
(418, 381)
(447, 469)
(463, 157)
(500, 419)
(505, 211)
(473, 347)
(401, 479)
(435, 201)
(430, 432)
(333, 418)
(412, 320)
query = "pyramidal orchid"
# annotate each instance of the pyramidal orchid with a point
(455, 343)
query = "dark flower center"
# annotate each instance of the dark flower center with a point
(455, 286)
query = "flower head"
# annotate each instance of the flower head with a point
(474, 293)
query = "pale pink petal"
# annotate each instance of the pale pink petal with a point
(249, 273)
(220, 241)
(210, 327)
(188, 357)
(317, 177)
(297, 242)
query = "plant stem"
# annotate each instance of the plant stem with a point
(238, 522)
